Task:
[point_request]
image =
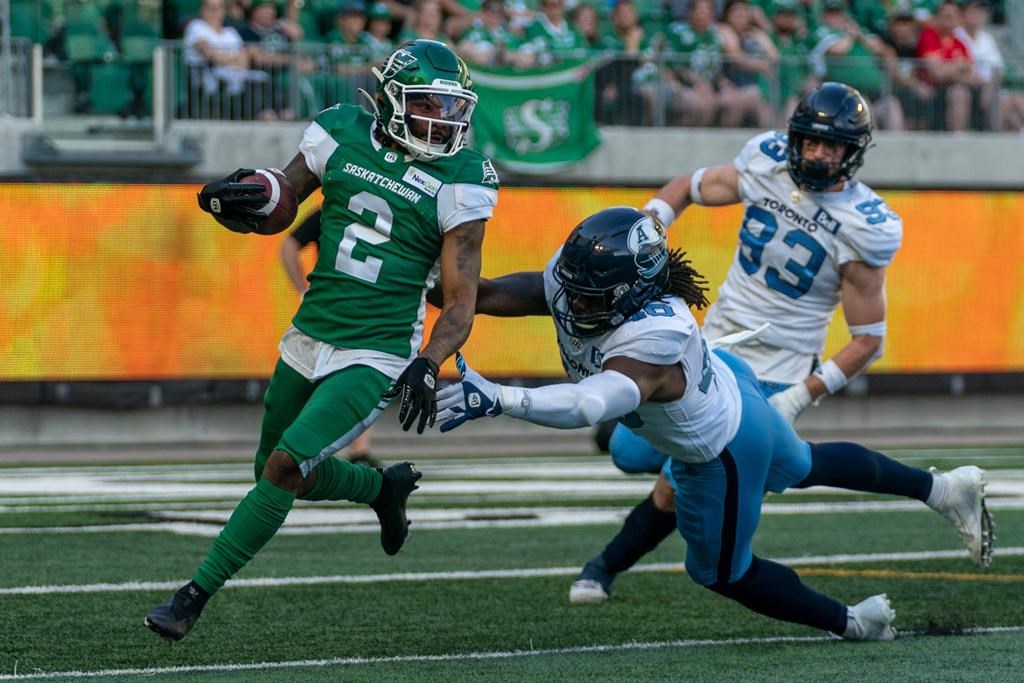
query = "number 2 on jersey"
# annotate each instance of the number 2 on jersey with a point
(369, 268)
(759, 227)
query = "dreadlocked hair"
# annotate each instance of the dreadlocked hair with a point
(685, 282)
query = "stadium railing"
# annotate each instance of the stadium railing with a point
(649, 89)
(16, 78)
(632, 90)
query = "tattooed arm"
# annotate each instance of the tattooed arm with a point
(508, 296)
(460, 273)
(301, 178)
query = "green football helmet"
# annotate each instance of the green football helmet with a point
(424, 99)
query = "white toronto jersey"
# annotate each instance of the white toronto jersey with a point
(792, 245)
(693, 428)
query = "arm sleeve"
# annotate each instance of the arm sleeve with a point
(316, 147)
(472, 196)
(875, 245)
(309, 231)
(600, 397)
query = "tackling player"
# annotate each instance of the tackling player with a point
(628, 340)
(812, 237)
(404, 204)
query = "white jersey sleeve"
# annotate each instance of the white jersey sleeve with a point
(764, 154)
(316, 147)
(875, 238)
(654, 340)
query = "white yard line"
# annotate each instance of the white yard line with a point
(469, 575)
(352, 519)
(454, 657)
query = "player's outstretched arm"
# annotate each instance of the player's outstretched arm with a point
(509, 296)
(460, 273)
(709, 186)
(862, 294)
(621, 386)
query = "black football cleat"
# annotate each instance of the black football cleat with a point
(399, 482)
(176, 617)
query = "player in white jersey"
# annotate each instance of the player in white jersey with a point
(632, 347)
(812, 237)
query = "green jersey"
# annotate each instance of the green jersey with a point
(858, 68)
(703, 50)
(383, 223)
(556, 40)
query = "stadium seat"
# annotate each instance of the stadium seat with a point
(31, 19)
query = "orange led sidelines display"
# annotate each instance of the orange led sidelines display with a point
(128, 282)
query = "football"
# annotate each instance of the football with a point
(282, 203)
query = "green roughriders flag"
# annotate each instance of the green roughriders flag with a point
(535, 120)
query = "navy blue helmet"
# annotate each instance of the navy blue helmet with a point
(611, 265)
(833, 111)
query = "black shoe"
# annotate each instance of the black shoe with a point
(603, 435)
(176, 617)
(399, 483)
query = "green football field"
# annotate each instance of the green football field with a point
(480, 591)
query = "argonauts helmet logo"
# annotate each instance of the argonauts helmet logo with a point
(646, 241)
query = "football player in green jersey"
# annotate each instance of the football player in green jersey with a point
(404, 205)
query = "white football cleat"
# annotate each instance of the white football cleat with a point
(961, 500)
(587, 592)
(870, 619)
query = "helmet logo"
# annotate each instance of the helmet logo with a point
(396, 62)
(445, 83)
(646, 241)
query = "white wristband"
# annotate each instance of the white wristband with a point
(661, 210)
(832, 377)
(695, 186)
(874, 329)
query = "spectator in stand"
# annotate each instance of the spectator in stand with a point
(947, 66)
(403, 12)
(584, 20)
(619, 81)
(917, 98)
(551, 36)
(1012, 101)
(846, 53)
(489, 40)
(268, 40)
(750, 59)
(351, 51)
(790, 37)
(378, 31)
(424, 20)
(218, 64)
(693, 90)
(987, 58)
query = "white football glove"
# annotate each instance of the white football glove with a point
(469, 399)
(792, 401)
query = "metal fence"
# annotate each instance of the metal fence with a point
(653, 89)
(16, 77)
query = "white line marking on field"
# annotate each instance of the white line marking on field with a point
(507, 654)
(469, 575)
(319, 520)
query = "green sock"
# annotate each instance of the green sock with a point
(254, 522)
(341, 480)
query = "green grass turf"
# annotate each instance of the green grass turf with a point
(103, 630)
(158, 556)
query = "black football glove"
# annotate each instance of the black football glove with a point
(233, 203)
(418, 386)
